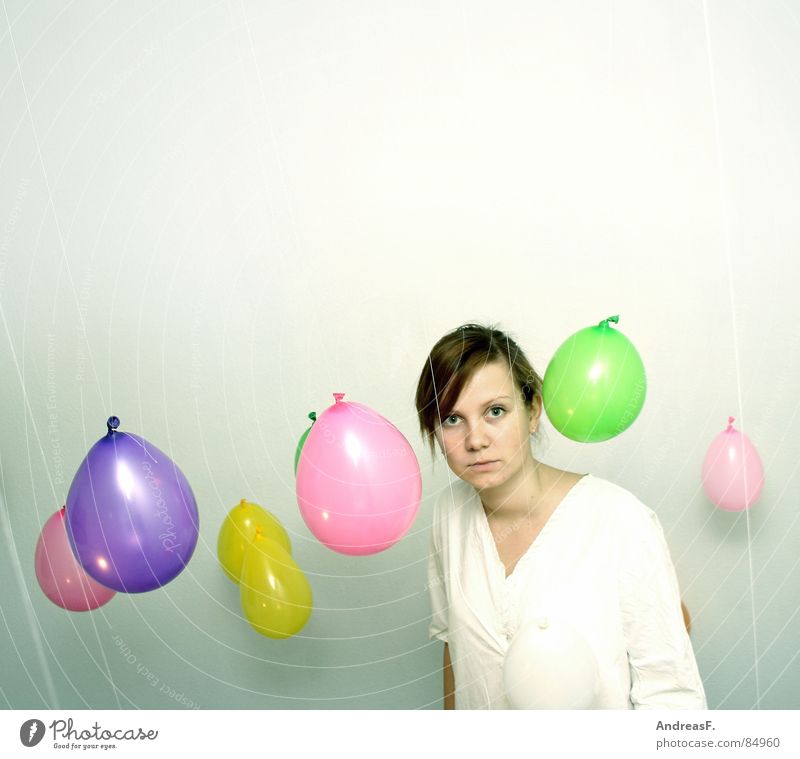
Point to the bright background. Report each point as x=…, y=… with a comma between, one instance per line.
x=215, y=214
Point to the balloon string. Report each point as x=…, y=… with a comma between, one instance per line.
x=724, y=203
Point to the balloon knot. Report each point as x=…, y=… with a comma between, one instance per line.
x=112, y=423
x=731, y=420
x=313, y=416
x=605, y=322
x=338, y=397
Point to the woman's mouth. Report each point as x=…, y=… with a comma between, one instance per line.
x=481, y=466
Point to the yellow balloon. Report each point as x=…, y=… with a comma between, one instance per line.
x=239, y=529
x=275, y=594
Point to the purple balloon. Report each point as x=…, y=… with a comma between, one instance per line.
x=132, y=518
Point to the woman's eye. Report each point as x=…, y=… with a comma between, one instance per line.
x=451, y=420
x=496, y=411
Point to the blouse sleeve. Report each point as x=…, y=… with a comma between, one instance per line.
x=663, y=669
x=436, y=586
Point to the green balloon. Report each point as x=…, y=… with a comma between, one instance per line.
x=595, y=384
x=313, y=417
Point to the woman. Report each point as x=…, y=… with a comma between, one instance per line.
x=518, y=542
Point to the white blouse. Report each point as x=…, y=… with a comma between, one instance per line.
x=600, y=564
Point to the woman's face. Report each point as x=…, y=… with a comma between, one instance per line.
x=485, y=436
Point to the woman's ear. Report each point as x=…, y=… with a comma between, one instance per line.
x=535, y=413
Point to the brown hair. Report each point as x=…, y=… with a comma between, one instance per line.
x=452, y=362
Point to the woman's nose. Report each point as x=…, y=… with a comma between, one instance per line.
x=477, y=438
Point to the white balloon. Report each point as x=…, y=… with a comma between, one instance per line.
x=549, y=665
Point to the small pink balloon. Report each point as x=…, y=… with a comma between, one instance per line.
x=358, y=480
x=733, y=474
x=60, y=576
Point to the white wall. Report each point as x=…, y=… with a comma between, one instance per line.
x=214, y=215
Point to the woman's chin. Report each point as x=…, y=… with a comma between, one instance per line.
x=484, y=480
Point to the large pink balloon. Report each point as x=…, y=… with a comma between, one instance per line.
x=60, y=576
x=733, y=474
x=358, y=481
